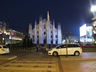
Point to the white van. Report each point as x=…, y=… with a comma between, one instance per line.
x=4, y=49
x=66, y=49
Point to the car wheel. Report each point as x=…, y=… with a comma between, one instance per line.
x=76, y=53
x=55, y=54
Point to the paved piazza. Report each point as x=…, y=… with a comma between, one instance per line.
x=31, y=64
x=45, y=63
x=79, y=66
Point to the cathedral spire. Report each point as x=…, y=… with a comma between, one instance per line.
x=48, y=16
x=35, y=22
x=40, y=18
x=53, y=22
x=30, y=31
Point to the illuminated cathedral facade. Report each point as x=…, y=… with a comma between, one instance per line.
x=45, y=32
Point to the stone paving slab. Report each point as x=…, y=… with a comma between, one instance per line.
x=79, y=66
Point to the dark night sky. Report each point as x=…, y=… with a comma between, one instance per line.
x=70, y=13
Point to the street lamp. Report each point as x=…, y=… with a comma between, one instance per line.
x=93, y=8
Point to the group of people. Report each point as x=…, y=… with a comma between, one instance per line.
x=37, y=47
x=42, y=48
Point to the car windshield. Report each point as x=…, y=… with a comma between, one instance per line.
x=61, y=46
x=0, y=47
x=73, y=45
x=5, y=47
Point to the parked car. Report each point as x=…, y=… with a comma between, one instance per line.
x=66, y=49
x=4, y=49
x=89, y=46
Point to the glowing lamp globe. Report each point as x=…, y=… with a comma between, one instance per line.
x=93, y=8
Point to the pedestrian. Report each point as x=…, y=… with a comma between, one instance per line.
x=37, y=46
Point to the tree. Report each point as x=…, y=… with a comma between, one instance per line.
x=67, y=33
x=27, y=42
x=67, y=40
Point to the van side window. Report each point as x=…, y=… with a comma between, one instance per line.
x=63, y=46
x=73, y=45
x=70, y=45
x=76, y=46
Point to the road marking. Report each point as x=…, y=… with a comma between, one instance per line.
x=8, y=58
x=36, y=61
x=12, y=58
x=30, y=66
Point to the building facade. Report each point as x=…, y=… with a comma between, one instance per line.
x=94, y=28
x=74, y=39
x=45, y=32
x=86, y=33
x=9, y=35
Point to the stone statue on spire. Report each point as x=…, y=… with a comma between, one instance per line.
x=48, y=16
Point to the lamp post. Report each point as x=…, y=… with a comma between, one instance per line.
x=93, y=10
